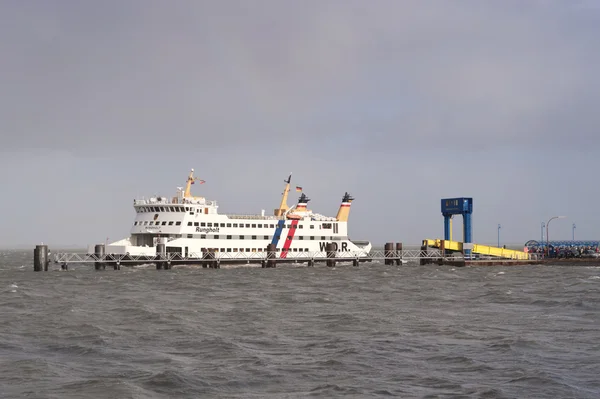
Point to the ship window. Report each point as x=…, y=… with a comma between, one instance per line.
x=190, y=235
x=247, y=249
x=209, y=224
x=203, y=236
x=145, y=223
x=300, y=238
x=260, y=226
x=300, y=226
x=266, y=237
x=253, y=225
x=235, y=225
x=260, y=249
x=322, y=237
x=228, y=249
x=241, y=237
x=172, y=209
x=164, y=223
x=312, y=226
x=187, y=208
x=189, y=223
x=254, y=237
x=203, y=224
x=222, y=249
x=135, y=223
x=177, y=223
x=170, y=223
x=312, y=237
x=234, y=249
x=195, y=224
x=222, y=224
x=247, y=224
x=216, y=236
x=229, y=237
x=294, y=249
x=151, y=223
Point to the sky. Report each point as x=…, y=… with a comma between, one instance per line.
x=400, y=103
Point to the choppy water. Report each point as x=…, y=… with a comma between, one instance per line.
x=406, y=331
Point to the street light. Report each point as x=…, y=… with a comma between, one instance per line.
x=574, y=231
x=548, y=238
x=543, y=226
x=499, y=227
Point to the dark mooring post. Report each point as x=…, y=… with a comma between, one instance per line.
x=398, y=253
x=216, y=263
x=271, y=255
x=40, y=258
x=99, y=255
x=161, y=254
x=388, y=255
x=330, y=249
x=424, y=255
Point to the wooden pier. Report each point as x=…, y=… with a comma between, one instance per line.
x=391, y=254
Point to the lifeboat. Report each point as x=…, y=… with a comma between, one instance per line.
x=294, y=216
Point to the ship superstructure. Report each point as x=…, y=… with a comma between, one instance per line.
x=190, y=226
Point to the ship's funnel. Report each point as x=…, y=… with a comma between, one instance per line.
x=344, y=211
x=302, y=201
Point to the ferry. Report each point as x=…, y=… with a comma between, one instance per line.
x=188, y=227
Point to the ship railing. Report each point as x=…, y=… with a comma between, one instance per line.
x=253, y=217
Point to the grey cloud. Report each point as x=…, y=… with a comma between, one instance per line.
x=131, y=75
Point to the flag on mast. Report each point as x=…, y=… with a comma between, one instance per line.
x=298, y=188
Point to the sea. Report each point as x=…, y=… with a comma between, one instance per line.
x=370, y=331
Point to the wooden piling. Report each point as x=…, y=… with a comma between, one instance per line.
x=99, y=253
x=388, y=254
x=271, y=255
x=398, y=253
x=330, y=249
x=40, y=258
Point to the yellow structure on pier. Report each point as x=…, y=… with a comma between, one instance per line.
x=477, y=249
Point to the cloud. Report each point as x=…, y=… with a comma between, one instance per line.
x=399, y=102
x=125, y=76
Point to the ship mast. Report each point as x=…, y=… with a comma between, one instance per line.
x=283, y=205
x=188, y=186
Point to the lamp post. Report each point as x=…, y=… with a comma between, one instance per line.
x=574, y=231
x=547, y=238
x=499, y=227
x=543, y=226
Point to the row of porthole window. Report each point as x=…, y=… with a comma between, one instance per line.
x=151, y=223
x=258, y=250
x=206, y=224
x=232, y=237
